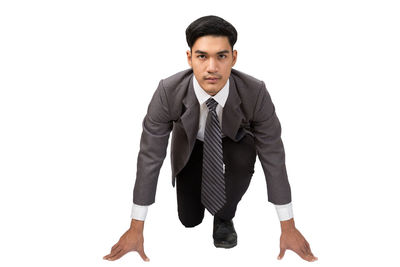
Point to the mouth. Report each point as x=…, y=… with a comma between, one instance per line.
x=212, y=79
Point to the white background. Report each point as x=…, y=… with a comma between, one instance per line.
x=76, y=78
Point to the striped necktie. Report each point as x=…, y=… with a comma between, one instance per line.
x=213, y=182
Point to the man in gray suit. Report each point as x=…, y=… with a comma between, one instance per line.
x=220, y=119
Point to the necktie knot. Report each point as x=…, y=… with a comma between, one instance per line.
x=211, y=104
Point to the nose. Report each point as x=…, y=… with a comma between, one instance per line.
x=212, y=65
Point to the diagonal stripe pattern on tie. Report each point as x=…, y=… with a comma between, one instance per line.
x=213, y=181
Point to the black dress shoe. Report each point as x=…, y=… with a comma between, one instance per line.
x=224, y=233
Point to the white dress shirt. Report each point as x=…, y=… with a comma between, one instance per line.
x=139, y=212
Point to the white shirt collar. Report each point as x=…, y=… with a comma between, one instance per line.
x=202, y=95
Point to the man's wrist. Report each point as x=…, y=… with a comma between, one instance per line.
x=287, y=225
x=137, y=225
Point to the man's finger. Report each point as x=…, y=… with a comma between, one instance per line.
x=118, y=255
x=307, y=246
x=114, y=253
x=143, y=255
x=311, y=257
x=306, y=256
x=308, y=250
x=281, y=253
x=302, y=255
x=304, y=250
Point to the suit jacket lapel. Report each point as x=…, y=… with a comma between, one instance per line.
x=190, y=117
x=232, y=116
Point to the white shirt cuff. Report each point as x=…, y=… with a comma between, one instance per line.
x=139, y=212
x=285, y=212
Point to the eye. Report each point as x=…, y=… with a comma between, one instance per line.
x=201, y=56
x=222, y=56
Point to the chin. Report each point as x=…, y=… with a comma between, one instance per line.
x=212, y=90
x=213, y=86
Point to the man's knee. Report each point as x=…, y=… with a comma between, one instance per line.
x=190, y=222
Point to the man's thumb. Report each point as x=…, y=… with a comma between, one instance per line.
x=143, y=255
x=281, y=253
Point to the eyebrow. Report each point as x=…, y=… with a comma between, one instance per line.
x=205, y=53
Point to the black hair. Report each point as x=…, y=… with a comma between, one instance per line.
x=210, y=25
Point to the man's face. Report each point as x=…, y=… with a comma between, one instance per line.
x=212, y=59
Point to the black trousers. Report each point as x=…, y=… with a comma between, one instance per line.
x=239, y=159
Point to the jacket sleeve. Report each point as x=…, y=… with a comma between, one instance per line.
x=270, y=150
x=157, y=126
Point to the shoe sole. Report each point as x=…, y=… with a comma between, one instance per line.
x=224, y=245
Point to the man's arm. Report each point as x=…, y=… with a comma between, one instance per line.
x=157, y=126
x=153, y=145
x=270, y=150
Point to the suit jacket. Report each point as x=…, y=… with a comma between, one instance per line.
x=174, y=107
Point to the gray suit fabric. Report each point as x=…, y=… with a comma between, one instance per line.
x=174, y=107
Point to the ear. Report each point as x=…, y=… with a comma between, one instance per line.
x=189, y=57
x=234, y=56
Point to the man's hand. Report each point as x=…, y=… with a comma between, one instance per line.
x=292, y=239
x=131, y=240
